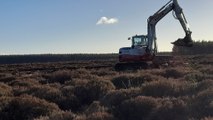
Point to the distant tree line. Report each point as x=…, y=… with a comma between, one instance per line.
x=14, y=59
x=199, y=47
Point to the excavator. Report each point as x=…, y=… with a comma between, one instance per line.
x=144, y=47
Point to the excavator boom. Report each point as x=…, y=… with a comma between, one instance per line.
x=174, y=6
x=187, y=40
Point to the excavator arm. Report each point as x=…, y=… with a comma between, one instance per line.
x=172, y=5
x=187, y=40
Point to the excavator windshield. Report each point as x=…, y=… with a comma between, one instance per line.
x=139, y=40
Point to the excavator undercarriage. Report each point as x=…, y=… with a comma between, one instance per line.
x=157, y=62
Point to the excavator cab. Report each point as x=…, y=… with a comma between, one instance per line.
x=139, y=41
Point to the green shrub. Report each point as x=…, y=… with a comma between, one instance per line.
x=25, y=108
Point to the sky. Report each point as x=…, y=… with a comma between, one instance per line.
x=93, y=26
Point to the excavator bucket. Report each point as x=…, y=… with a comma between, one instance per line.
x=186, y=41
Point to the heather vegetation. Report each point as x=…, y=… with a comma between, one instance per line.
x=10, y=59
x=199, y=47
x=93, y=90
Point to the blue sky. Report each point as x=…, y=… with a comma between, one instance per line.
x=70, y=26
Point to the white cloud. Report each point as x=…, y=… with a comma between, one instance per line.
x=105, y=20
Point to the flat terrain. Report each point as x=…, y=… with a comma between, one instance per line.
x=90, y=89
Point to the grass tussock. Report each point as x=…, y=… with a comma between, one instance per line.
x=60, y=76
x=170, y=109
x=166, y=88
x=116, y=97
x=146, y=108
x=125, y=81
x=5, y=90
x=26, y=107
x=138, y=108
x=93, y=90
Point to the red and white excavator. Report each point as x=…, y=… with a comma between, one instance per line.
x=144, y=47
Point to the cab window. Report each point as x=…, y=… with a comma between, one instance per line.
x=140, y=41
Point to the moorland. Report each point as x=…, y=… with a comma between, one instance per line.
x=93, y=90
x=87, y=87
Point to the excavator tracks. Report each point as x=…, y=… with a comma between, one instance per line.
x=158, y=61
x=131, y=66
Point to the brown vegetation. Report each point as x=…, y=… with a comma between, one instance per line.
x=93, y=90
x=199, y=47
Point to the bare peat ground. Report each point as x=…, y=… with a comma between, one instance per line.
x=93, y=90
